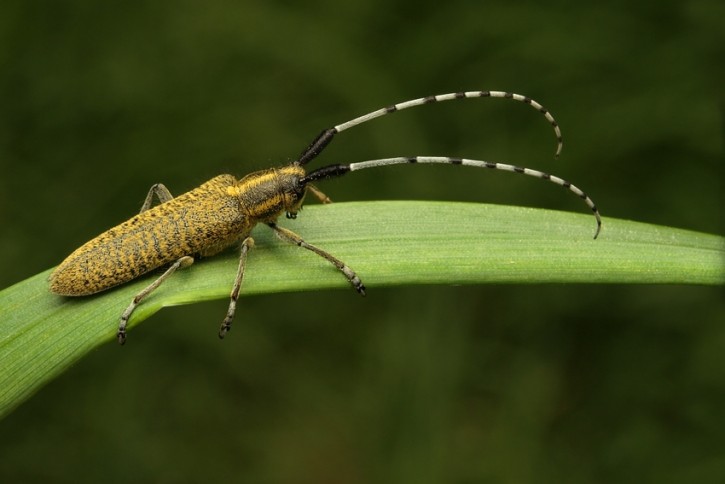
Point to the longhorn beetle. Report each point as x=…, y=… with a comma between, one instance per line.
x=223, y=211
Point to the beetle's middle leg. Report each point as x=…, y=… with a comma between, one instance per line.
x=185, y=261
x=247, y=244
x=289, y=236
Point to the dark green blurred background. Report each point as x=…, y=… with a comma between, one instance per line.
x=101, y=99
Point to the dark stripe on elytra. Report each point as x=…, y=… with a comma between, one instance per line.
x=157, y=246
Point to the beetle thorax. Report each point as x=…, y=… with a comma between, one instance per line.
x=265, y=194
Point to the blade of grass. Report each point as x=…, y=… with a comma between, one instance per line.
x=387, y=243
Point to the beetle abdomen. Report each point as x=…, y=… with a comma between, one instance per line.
x=187, y=225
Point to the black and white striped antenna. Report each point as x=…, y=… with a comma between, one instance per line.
x=337, y=170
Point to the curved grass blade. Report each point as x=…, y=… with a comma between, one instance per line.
x=387, y=243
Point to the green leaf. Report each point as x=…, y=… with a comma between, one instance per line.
x=387, y=243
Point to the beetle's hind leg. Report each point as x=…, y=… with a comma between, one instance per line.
x=162, y=194
x=185, y=261
x=293, y=238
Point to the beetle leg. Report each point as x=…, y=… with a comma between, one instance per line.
x=318, y=194
x=185, y=261
x=247, y=244
x=162, y=193
x=293, y=238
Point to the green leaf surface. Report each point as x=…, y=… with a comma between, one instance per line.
x=387, y=243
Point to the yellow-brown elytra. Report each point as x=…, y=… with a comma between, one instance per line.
x=223, y=211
